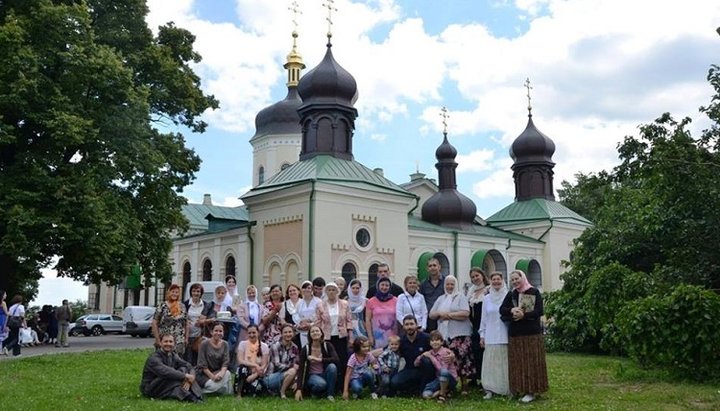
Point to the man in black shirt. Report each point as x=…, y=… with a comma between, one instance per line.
x=432, y=288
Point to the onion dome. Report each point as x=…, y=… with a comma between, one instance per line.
x=281, y=117
x=532, y=146
x=533, y=166
x=448, y=207
x=328, y=82
x=327, y=113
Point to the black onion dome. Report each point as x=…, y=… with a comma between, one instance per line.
x=328, y=82
x=448, y=207
x=532, y=146
x=281, y=117
x=445, y=151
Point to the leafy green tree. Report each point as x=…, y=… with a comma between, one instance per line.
x=88, y=169
x=655, y=219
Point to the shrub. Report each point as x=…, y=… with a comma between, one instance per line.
x=678, y=332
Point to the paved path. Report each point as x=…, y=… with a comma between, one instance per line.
x=82, y=344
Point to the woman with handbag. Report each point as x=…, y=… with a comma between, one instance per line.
x=16, y=320
x=198, y=312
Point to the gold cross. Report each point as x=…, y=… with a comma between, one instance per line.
x=444, y=114
x=295, y=9
x=528, y=87
x=330, y=5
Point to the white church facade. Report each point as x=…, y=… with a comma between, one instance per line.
x=314, y=210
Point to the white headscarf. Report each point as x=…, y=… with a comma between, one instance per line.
x=356, y=301
x=254, y=308
x=446, y=303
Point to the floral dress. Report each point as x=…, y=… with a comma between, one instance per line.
x=167, y=324
x=272, y=331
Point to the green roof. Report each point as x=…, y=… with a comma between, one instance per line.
x=197, y=214
x=537, y=209
x=325, y=168
x=480, y=230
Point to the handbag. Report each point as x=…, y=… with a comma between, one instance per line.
x=14, y=321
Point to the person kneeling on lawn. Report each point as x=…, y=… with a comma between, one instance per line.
x=284, y=356
x=166, y=375
x=444, y=361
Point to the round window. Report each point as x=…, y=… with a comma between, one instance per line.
x=362, y=236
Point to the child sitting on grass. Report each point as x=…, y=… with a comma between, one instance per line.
x=359, y=373
x=444, y=361
x=388, y=363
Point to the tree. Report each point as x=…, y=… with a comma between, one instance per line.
x=87, y=174
x=655, y=218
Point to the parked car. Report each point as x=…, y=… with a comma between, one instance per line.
x=137, y=320
x=99, y=324
x=74, y=329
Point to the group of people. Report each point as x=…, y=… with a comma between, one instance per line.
x=324, y=339
x=16, y=331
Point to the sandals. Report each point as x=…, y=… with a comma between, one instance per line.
x=441, y=399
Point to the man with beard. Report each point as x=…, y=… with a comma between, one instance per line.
x=166, y=375
x=413, y=378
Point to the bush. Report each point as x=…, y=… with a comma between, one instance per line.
x=678, y=332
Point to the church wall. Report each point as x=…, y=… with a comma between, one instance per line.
x=341, y=212
x=272, y=152
x=559, y=245
x=424, y=191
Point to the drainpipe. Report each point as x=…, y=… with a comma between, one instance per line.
x=455, y=253
x=417, y=203
x=311, y=231
x=252, y=251
x=546, y=231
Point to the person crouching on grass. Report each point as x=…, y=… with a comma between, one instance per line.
x=443, y=359
x=359, y=373
x=166, y=375
x=253, y=357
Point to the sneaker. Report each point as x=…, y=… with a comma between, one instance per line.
x=527, y=398
x=488, y=395
x=57, y=345
x=331, y=398
x=373, y=396
x=66, y=345
x=354, y=396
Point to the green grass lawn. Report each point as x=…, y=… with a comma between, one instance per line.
x=109, y=380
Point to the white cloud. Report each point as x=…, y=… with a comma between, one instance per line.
x=53, y=289
x=478, y=160
x=498, y=184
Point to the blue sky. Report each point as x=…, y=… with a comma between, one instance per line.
x=599, y=68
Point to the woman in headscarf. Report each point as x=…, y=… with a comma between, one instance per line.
x=171, y=318
x=356, y=303
x=288, y=312
x=452, y=312
x=522, y=308
x=475, y=295
x=494, y=339
x=251, y=312
x=380, y=319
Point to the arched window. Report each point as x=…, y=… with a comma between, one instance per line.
x=444, y=263
x=372, y=275
x=230, y=266
x=261, y=175
x=207, y=270
x=349, y=272
x=186, y=276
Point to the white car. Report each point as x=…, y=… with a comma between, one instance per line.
x=99, y=324
x=137, y=320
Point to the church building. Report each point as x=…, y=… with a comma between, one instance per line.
x=316, y=210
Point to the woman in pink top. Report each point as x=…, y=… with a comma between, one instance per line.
x=380, y=315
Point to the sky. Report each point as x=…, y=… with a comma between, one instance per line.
x=598, y=69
